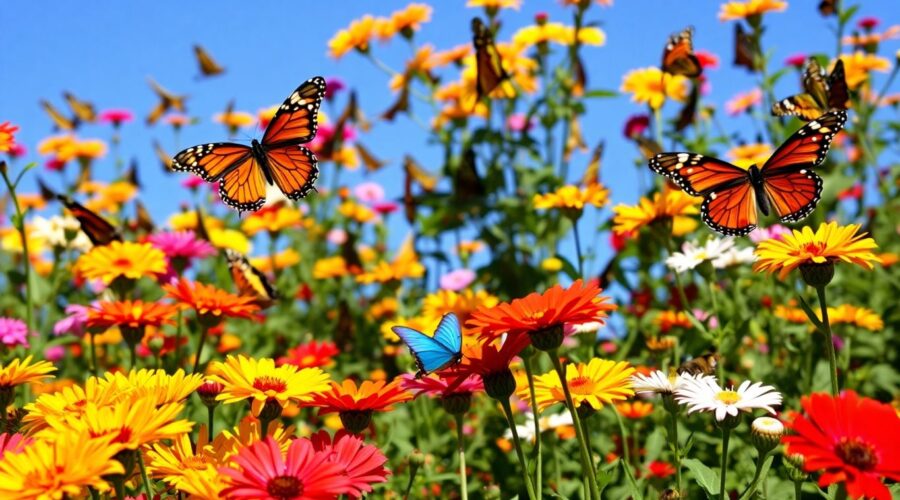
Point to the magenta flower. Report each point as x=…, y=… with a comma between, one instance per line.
x=636, y=125
x=333, y=85
x=436, y=386
x=74, y=323
x=326, y=133
x=13, y=332
x=17, y=150
x=457, y=280
x=55, y=164
x=775, y=231
x=519, y=122
x=385, y=207
x=182, y=245
x=369, y=192
x=192, y=182
x=796, y=60
x=115, y=116
x=54, y=353
x=12, y=443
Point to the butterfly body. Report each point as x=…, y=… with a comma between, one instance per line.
x=678, y=56
x=434, y=353
x=785, y=184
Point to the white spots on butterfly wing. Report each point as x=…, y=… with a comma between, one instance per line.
x=683, y=157
x=712, y=196
x=815, y=125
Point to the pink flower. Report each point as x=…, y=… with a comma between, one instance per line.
x=519, y=122
x=796, y=60
x=385, y=207
x=636, y=125
x=702, y=315
x=13, y=332
x=369, y=192
x=608, y=347
x=54, y=353
x=336, y=236
x=743, y=101
x=74, y=323
x=333, y=85
x=115, y=116
x=707, y=59
x=775, y=231
x=435, y=385
x=182, y=245
x=326, y=133
x=12, y=443
x=17, y=150
x=192, y=182
x=362, y=463
x=868, y=23
x=457, y=280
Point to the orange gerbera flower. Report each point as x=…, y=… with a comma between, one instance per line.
x=634, y=409
x=121, y=259
x=130, y=314
x=7, y=137
x=542, y=316
x=212, y=304
x=666, y=320
x=410, y=19
x=355, y=405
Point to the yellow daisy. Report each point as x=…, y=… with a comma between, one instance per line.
x=596, y=383
x=652, y=86
x=121, y=259
x=572, y=199
x=829, y=244
x=859, y=64
x=672, y=205
x=744, y=10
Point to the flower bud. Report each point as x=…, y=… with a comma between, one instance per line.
x=208, y=391
x=817, y=275
x=793, y=464
x=416, y=458
x=500, y=385
x=765, y=433
x=457, y=403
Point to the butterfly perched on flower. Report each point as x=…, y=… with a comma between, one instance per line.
x=785, y=183
x=97, y=229
x=819, y=94
x=278, y=159
x=208, y=65
x=678, y=56
x=250, y=281
x=489, y=65
x=436, y=352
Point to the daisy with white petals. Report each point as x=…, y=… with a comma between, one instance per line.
x=704, y=394
x=692, y=254
x=660, y=383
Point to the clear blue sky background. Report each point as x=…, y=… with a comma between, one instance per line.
x=104, y=51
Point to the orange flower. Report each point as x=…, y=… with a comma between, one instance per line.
x=666, y=320
x=356, y=36
x=121, y=259
x=273, y=219
x=540, y=315
x=355, y=405
x=311, y=355
x=410, y=19
x=211, y=303
x=130, y=314
x=450, y=56
x=634, y=409
x=7, y=139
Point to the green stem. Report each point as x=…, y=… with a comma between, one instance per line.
x=529, y=487
x=203, y=333
x=676, y=448
x=211, y=411
x=464, y=493
x=798, y=490
x=829, y=341
x=578, y=247
x=757, y=476
x=26, y=264
x=626, y=453
x=586, y=464
x=178, y=334
x=658, y=125
x=538, y=469
x=94, y=367
x=148, y=490
x=726, y=435
x=413, y=469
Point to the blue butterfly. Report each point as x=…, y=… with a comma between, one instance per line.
x=437, y=352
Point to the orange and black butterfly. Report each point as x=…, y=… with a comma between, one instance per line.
x=208, y=65
x=678, y=56
x=591, y=175
x=83, y=111
x=164, y=158
x=744, y=51
x=167, y=101
x=820, y=94
x=785, y=183
x=488, y=63
x=250, y=281
x=60, y=121
x=97, y=229
x=278, y=159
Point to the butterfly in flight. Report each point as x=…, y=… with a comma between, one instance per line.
x=208, y=65
x=250, y=281
x=278, y=159
x=97, y=229
x=437, y=352
x=678, y=56
x=820, y=94
x=732, y=194
x=488, y=63
x=167, y=101
x=744, y=51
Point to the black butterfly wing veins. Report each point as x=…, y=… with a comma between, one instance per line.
x=97, y=229
x=820, y=93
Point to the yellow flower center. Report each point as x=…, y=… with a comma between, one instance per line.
x=583, y=386
x=728, y=397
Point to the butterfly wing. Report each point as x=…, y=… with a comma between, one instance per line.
x=810, y=104
x=688, y=114
x=164, y=158
x=243, y=188
x=488, y=63
x=97, y=229
x=838, y=95
x=295, y=122
x=59, y=121
x=449, y=333
x=371, y=162
x=208, y=65
x=242, y=185
x=426, y=179
x=743, y=49
x=293, y=169
x=250, y=281
x=82, y=110
x=678, y=56
x=431, y=355
x=731, y=211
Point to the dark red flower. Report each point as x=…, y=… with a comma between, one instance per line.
x=796, y=60
x=868, y=23
x=636, y=125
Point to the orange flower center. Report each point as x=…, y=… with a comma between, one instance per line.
x=857, y=453
x=123, y=437
x=284, y=487
x=269, y=385
x=122, y=263
x=728, y=397
x=583, y=386
x=814, y=248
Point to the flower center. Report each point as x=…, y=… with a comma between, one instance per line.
x=582, y=386
x=123, y=437
x=284, y=487
x=814, y=248
x=122, y=263
x=269, y=385
x=728, y=397
x=857, y=453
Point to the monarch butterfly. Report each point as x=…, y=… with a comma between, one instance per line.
x=243, y=171
x=250, y=281
x=819, y=94
x=97, y=229
x=83, y=110
x=591, y=175
x=678, y=56
x=371, y=162
x=488, y=63
x=438, y=351
x=167, y=102
x=705, y=364
x=208, y=65
x=164, y=158
x=743, y=49
x=60, y=121
x=785, y=182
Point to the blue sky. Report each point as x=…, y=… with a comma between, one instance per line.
x=104, y=52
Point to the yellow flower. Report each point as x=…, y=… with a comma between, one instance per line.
x=749, y=154
x=410, y=19
x=60, y=469
x=405, y=265
x=495, y=4
x=384, y=308
x=111, y=197
x=573, y=198
x=672, y=205
x=748, y=8
x=19, y=372
x=68, y=402
x=273, y=219
x=558, y=33
x=187, y=221
x=858, y=65
x=552, y=264
x=234, y=119
x=463, y=303
x=356, y=211
x=230, y=441
x=121, y=259
x=450, y=56
x=652, y=86
x=156, y=385
x=422, y=323
x=69, y=147
x=596, y=383
x=330, y=267
x=286, y=258
x=171, y=462
x=356, y=36
x=11, y=240
x=469, y=247
x=260, y=381
x=859, y=316
x=830, y=243
x=206, y=484
x=231, y=239
x=420, y=63
x=791, y=314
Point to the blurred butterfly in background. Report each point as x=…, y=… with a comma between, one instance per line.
x=167, y=102
x=60, y=121
x=688, y=114
x=250, y=281
x=142, y=219
x=743, y=49
x=467, y=182
x=827, y=8
x=278, y=159
x=437, y=352
x=678, y=56
x=208, y=65
x=372, y=163
x=705, y=364
x=83, y=111
x=97, y=229
x=820, y=94
x=732, y=194
x=164, y=158
x=488, y=63
x=591, y=175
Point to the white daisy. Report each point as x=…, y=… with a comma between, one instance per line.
x=692, y=255
x=57, y=229
x=704, y=394
x=526, y=430
x=660, y=383
x=733, y=257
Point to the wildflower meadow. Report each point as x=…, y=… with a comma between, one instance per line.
x=491, y=267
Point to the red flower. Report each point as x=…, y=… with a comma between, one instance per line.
x=438, y=384
x=854, y=192
x=310, y=355
x=848, y=439
x=659, y=469
x=796, y=60
x=636, y=125
x=362, y=463
x=868, y=23
x=707, y=59
x=263, y=472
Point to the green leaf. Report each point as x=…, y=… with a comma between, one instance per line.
x=632, y=484
x=848, y=13
x=707, y=478
x=810, y=314
x=600, y=93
